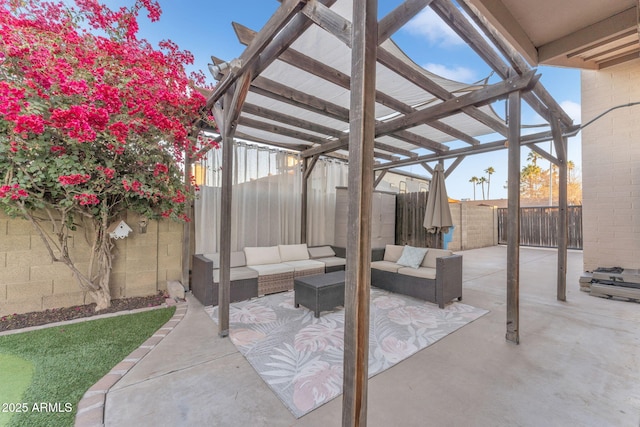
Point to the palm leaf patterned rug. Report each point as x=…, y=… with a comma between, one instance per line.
x=301, y=357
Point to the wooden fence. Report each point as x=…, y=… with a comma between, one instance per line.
x=539, y=226
x=410, y=211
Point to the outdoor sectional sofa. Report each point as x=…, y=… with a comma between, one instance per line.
x=437, y=279
x=257, y=271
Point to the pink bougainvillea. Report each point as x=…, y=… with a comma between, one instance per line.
x=73, y=179
x=93, y=120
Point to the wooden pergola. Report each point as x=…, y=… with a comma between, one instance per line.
x=381, y=111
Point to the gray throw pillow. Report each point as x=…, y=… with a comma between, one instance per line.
x=412, y=257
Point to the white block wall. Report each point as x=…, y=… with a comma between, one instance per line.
x=611, y=167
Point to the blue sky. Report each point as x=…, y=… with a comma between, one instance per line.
x=204, y=28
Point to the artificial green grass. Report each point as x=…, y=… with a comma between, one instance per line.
x=69, y=359
x=16, y=377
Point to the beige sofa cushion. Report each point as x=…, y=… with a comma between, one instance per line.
x=263, y=255
x=393, y=252
x=237, y=273
x=321, y=252
x=237, y=259
x=293, y=252
x=385, y=265
x=305, y=264
x=432, y=254
x=422, y=272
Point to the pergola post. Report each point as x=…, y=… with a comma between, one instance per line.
x=358, y=273
x=233, y=100
x=513, y=220
x=186, y=227
x=225, y=222
x=307, y=167
x=563, y=238
x=304, y=201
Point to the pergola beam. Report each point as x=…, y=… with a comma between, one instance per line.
x=379, y=177
x=453, y=166
x=399, y=16
x=446, y=108
x=539, y=99
x=287, y=10
x=340, y=28
x=319, y=69
x=544, y=154
x=483, y=148
x=426, y=167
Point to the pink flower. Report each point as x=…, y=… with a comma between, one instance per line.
x=31, y=123
x=14, y=192
x=108, y=172
x=74, y=179
x=87, y=199
x=179, y=197
x=58, y=149
x=160, y=168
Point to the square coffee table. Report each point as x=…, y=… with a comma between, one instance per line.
x=321, y=292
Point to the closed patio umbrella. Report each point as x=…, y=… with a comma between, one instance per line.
x=437, y=218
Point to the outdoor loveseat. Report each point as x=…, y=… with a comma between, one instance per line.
x=257, y=271
x=436, y=277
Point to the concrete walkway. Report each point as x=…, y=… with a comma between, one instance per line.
x=578, y=364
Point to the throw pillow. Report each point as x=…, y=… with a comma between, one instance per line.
x=412, y=257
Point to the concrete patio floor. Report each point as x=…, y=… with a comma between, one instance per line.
x=578, y=364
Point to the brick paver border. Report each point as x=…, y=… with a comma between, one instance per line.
x=90, y=411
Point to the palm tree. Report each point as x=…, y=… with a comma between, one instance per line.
x=533, y=157
x=474, y=181
x=481, y=181
x=489, y=171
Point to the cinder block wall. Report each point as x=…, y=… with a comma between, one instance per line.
x=30, y=281
x=611, y=167
x=475, y=226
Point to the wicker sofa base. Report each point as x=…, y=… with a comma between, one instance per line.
x=272, y=283
x=310, y=272
x=445, y=287
x=334, y=268
x=240, y=290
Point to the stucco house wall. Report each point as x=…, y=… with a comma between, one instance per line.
x=611, y=167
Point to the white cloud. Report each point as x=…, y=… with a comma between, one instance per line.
x=459, y=74
x=573, y=109
x=437, y=32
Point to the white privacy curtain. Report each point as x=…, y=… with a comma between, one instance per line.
x=326, y=176
x=266, y=200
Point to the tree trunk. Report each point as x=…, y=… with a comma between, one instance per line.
x=95, y=281
x=101, y=292
x=102, y=297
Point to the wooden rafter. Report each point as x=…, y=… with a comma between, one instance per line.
x=539, y=99
x=274, y=25
x=341, y=28
x=319, y=69
x=485, y=147
x=446, y=108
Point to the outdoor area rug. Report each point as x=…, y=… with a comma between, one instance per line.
x=301, y=357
